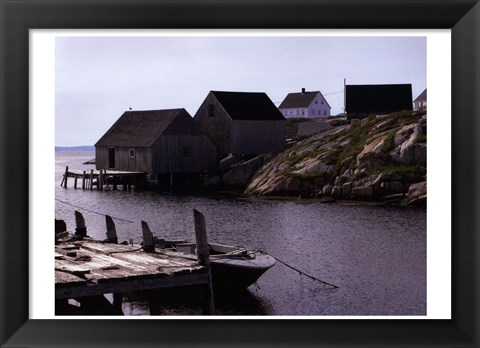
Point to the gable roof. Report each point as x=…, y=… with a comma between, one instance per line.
x=422, y=96
x=378, y=98
x=141, y=128
x=253, y=106
x=299, y=100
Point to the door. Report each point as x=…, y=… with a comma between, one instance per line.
x=111, y=157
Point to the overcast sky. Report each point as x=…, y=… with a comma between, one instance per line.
x=98, y=78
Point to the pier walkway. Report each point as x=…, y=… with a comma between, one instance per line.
x=87, y=269
x=103, y=179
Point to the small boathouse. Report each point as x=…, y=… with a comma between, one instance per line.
x=155, y=142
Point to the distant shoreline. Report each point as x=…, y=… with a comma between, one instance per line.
x=74, y=148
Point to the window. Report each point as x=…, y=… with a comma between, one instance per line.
x=211, y=110
x=303, y=112
x=131, y=152
x=187, y=151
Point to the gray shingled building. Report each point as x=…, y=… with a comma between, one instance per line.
x=155, y=141
x=241, y=123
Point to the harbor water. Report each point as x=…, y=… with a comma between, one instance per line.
x=376, y=255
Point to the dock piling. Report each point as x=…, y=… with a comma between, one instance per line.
x=111, y=230
x=91, y=179
x=65, y=177
x=148, y=245
x=204, y=260
x=81, y=229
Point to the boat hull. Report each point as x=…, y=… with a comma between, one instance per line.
x=225, y=276
x=231, y=267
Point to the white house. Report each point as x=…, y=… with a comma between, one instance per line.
x=420, y=103
x=305, y=104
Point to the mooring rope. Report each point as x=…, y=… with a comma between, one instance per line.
x=299, y=271
x=91, y=211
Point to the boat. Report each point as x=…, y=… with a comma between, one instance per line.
x=232, y=267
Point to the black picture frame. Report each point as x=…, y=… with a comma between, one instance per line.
x=18, y=16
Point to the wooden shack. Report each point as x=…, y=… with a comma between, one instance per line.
x=155, y=141
x=242, y=123
x=364, y=100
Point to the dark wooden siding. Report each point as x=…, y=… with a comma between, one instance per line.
x=254, y=137
x=101, y=157
x=183, y=154
x=214, y=121
x=362, y=100
x=141, y=162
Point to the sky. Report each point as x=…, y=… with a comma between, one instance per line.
x=98, y=78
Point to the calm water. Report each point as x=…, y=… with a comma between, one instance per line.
x=376, y=255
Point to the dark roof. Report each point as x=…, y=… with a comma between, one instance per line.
x=422, y=96
x=142, y=128
x=378, y=98
x=299, y=100
x=248, y=106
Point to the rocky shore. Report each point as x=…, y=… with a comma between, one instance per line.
x=379, y=158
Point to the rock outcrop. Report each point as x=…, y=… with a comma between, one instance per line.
x=375, y=158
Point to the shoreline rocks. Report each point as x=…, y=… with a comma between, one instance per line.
x=379, y=158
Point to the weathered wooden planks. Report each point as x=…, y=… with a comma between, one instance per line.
x=63, y=279
x=88, y=268
x=91, y=263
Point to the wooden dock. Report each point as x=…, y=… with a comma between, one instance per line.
x=103, y=179
x=87, y=269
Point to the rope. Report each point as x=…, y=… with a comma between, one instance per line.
x=91, y=211
x=300, y=272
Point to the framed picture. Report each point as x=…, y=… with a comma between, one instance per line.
x=19, y=18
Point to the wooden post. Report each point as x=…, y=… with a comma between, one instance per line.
x=81, y=229
x=148, y=245
x=204, y=260
x=100, y=181
x=65, y=177
x=111, y=230
x=60, y=229
x=117, y=302
x=154, y=302
x=75, y=182
x=83, y=181
x=171, y=181
x=91, y=179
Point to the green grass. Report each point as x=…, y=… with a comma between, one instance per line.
x=312, y=175
x=421, y=138
x=404, y=173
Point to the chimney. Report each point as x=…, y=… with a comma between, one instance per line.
x=303, y=90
